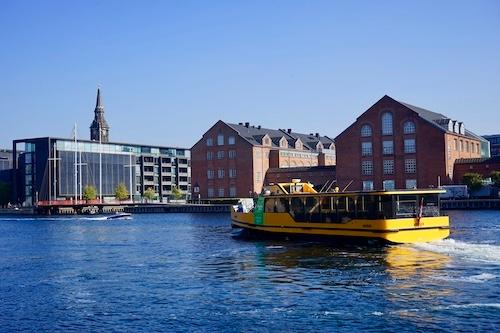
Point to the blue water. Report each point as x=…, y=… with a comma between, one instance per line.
x=183, y=272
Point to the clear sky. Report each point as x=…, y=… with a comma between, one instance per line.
x=170, y=69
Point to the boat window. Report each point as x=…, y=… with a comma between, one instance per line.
x=297, y=209
x=312, y=209
x=270, y=205
x=429, y=204
x=282, y=205
x=406, y=205
x=328, y=213
x=385, y=206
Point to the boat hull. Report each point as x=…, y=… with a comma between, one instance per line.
x=396, y=231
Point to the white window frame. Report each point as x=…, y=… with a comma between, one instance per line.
x=367, y=168
x=409, y=127
x=366, y=131
x=388, y=147
x=388, y=167
x=366, y=148
x=367, y=185
x=387, y=123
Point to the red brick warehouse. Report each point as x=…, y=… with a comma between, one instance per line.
x=398, y=145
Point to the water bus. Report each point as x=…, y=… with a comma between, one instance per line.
x=297, y=209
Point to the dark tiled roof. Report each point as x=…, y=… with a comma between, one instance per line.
x=254, y=135
x=436, y=119
x=482, y=160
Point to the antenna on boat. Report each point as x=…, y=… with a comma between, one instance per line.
x=345, y=188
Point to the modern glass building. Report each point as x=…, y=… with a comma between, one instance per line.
x=50, y=169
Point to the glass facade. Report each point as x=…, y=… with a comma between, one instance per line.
x=137, y=167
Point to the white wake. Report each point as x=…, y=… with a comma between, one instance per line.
x=470, y=251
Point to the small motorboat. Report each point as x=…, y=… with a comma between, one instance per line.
x=120, y=216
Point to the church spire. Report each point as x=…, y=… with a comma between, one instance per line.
x=99, y=129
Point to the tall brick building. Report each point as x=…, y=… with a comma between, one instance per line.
x=231, y=160
x=398, y=145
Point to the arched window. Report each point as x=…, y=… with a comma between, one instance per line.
x=408, y=127
x=386, y=123
x=366, y=130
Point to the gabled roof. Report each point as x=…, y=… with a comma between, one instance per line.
x=436, y=119
x=254, y=135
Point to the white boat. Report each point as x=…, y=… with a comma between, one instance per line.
x=120, y=216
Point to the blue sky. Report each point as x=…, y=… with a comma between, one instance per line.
x=170, y=69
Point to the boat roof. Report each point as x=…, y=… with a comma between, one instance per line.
x=308, y=190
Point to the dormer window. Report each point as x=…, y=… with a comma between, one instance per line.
x=283, y=143
x=298, y=144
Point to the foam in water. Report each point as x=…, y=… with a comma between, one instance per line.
x=480, y=278
x=471, y=251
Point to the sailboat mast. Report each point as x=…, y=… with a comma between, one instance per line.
x=76, y=166
x=100, y=165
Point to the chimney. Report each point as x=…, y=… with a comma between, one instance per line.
x=289, y=130
x=317, y=135
x=240, y=123
x=258, y=127
x=247, y=125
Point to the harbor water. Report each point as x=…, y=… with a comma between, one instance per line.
x=185, y=273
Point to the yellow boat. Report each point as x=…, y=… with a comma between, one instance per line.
x=297, y=209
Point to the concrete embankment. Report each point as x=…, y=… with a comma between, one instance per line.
x=470, y=204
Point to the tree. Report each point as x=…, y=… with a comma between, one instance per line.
x=495, y=177
x=89, y=192
x=149, y=194
x=473, y=180
x=5, y=192
x=177, y=193
x=121, y=192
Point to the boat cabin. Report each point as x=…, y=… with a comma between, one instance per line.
x=345, y=206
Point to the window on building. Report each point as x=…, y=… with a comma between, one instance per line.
x=456, y=144
x=210, y=142
x=467, y=146
x=210, y=155
x=232, y=154
x=210, y=192
x=409, y=127
x=386, y=123
x=388, y=147
x=410, y=146
x=232, y=191
x=477, y=148
x=411, y=183
x=461, y=145
x=221, y=192
x=257, y=176
x=220, y=140
x=220, y=154
x=366, y=130
x=366, y=149
x=368, y=185
x=210, y=174
x=231, y=140
x=220, y=173
x=367, y=168
x=388, y=185
x=388, y=167
x=232, y=173
x=410, y=165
